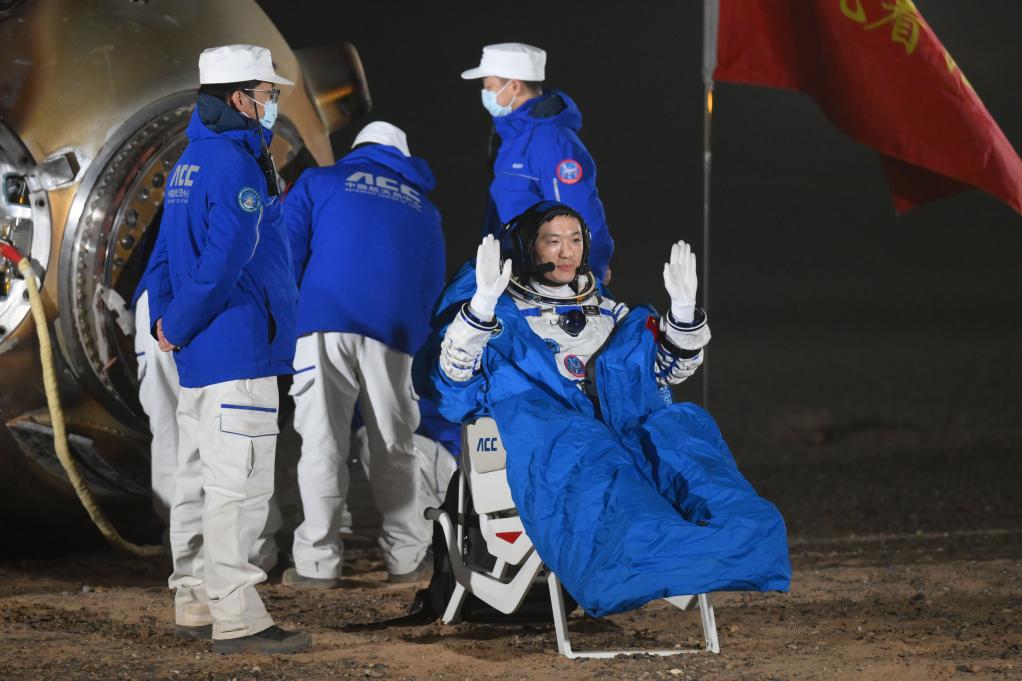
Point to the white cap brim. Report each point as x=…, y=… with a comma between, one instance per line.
x=477, y=72
x=278, y=80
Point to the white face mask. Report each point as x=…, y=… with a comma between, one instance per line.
x=490, y=102
x=269, y=116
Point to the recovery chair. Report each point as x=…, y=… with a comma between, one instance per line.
x=484, y=497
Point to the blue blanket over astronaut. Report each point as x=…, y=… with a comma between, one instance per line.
x=626, y=498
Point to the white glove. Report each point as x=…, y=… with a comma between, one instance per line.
x=491, y=278
x=680, y=282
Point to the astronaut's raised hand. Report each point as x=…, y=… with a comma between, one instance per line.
x=491, y=278
x=681, y=282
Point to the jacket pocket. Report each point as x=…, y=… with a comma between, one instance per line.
x=282, y=311
x=271, y=322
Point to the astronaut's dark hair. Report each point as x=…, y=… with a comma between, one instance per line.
x=223, y=91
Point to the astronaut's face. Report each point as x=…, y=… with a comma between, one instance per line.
x=560, y=241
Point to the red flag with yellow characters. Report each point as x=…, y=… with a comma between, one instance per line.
x=877, y=70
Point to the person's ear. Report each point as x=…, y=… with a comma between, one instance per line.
x=237, y=100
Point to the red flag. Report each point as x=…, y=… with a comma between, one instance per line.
x=877, y=70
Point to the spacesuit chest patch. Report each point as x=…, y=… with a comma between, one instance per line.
x=575, y=366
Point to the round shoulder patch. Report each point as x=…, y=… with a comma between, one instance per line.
x=249, y=200
x=569, y=171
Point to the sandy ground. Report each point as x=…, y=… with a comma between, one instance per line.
x=932, y=591
x=901, y=490
x=878, y=607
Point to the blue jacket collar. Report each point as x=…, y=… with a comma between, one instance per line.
x=213, y=118
x=412, y=168
x=553, y=107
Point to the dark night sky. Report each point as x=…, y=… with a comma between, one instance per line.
x=808, y=256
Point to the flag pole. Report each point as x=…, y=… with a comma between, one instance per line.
x=711, y=20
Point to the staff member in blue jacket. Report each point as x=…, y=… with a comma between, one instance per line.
x=368, y=252
x=230, y=317
x=158, y=390
x=539, y=155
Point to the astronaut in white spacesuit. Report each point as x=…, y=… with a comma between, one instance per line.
x=546, y=273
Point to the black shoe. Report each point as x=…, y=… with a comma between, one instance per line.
x=204, y=632
x=272, y=641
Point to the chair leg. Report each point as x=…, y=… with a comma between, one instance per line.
x=560, y=617
x=564, y=644
x=709, y=624
x=452, y=614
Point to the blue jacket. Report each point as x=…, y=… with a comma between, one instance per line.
x=627, y=499
x=232, y=301
x=368, y=247
x=154, y=278
x=436, y=427
x=542, y=158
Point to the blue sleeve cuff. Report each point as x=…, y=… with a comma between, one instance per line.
x=475, y=322
x=698, y=321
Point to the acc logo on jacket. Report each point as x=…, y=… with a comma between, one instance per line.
x=569, y=171
x=249, y=200
x=384, y=187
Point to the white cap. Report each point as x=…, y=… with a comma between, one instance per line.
x=381, y=132
x=516, y=61
x=237, y=64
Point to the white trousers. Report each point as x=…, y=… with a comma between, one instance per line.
x=436, y=468
x=333, y=372
x=158, y=391
x=224, y=481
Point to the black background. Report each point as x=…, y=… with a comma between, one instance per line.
x=824, y=306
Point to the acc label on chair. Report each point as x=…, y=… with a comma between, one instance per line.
x=487, y=444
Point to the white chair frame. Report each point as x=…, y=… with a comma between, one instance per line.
x=483, y=473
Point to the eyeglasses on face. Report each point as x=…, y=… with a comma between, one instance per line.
x=274, y=93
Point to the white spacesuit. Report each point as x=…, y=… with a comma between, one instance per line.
x=547, y=276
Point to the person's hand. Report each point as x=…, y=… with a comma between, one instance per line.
x=491, y=278
x=165, y=345
x=681, y=282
